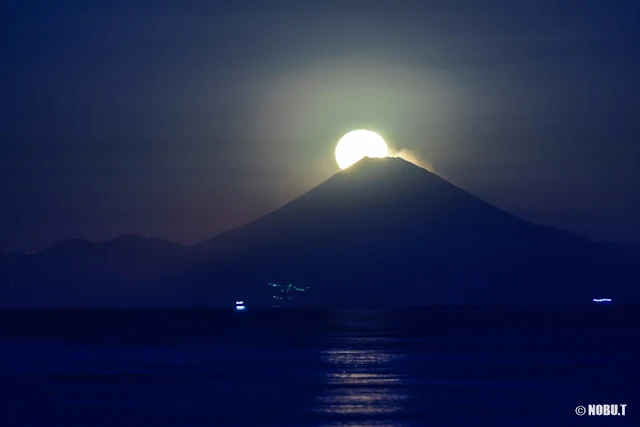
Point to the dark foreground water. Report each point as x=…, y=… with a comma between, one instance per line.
x=297, y=367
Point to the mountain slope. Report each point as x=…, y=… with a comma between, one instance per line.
x=386, y=230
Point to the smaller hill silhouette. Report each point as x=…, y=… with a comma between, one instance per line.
x=129, y=270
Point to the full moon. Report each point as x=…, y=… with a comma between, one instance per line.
x=358, y=144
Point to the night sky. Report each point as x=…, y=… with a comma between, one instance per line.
x=183, y=119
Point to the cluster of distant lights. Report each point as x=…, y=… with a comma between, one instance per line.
x=602, y=300
x=285, y=289
x=288, y=287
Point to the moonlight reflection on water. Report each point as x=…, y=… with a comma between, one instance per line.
x=363, y=379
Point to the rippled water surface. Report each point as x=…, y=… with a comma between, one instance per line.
x=296, y=367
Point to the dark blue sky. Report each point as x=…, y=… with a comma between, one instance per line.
x=183, y=119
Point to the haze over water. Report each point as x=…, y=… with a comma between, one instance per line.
x=325, y=367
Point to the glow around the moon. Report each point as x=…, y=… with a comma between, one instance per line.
x=358, y=144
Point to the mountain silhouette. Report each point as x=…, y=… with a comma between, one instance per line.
x=128, y=270
x=388, y=231
x=381, y=232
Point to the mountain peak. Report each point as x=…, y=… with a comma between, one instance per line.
x=384, y=165
x=379, y=161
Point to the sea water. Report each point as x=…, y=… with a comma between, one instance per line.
x=318, y=367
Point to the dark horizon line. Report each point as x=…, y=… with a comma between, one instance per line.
x=231, y=307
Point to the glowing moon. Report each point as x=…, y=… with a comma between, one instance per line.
x=358, y=144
